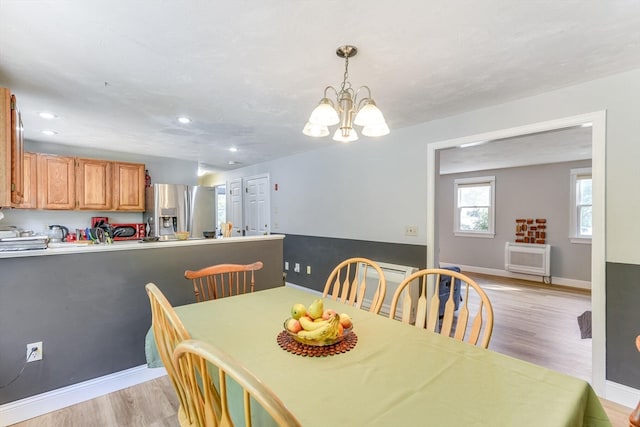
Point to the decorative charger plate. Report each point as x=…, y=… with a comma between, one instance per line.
x=286, y=341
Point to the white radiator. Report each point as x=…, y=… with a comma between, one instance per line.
x=528, y=258
x=394, y=274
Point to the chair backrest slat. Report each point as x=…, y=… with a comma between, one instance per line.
x=168, y=332
x=440, y=312
x=348, y=281
x=222, y=280
x=197, y=362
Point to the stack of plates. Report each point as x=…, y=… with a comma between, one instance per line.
x=23, y=243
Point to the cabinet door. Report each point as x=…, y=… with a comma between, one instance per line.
x=5, y=147
x=94, y=180
x=17, y=154
x=129, y=187
x=56, y=182
x=30, y=181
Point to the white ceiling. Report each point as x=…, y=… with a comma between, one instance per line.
x=561, y=145
x=118, y=73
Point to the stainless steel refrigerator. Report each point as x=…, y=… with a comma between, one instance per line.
x=176, y=207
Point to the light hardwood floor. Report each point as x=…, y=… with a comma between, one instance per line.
x=533, y=322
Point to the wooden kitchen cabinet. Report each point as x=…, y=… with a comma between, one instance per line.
x=11, y=150
x=94, y=179
x=129, y=186
x=77, y=183
x=56, y=182
x=29, y=200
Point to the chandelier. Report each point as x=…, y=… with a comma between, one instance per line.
x=348, y=110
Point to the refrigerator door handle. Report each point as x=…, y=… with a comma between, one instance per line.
x=187, y=203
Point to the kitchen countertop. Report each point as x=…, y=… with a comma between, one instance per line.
x=75, y=248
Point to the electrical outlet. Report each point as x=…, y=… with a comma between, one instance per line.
x=296, y=268
x=410, y=230
x=32, y=355
x=286, y=265
x=308, y=269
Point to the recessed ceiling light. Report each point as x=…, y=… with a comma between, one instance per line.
x=472, y=144
x=49, y=132
x=184, y=120
x=232, y=162
x=47, y=115
x=233, y=149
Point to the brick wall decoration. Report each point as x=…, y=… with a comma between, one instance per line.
x=529, y=230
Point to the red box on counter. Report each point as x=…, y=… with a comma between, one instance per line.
x=133, y=231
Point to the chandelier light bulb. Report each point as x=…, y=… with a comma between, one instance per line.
x=324, y=114
x=351, y=135
x=369, y=115
x=379, y=129
x=315, y=130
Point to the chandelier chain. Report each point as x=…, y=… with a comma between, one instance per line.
x=345, y=84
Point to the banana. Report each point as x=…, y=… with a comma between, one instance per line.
x=309, y=325
x=329, y=331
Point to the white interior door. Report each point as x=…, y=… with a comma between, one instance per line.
x=234, y=213
x=257, y=205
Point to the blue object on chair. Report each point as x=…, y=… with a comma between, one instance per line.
x=444, y=289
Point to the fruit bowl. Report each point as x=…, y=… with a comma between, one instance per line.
x=182, y=235
x=317, y=343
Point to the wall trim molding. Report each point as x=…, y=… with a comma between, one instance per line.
x=622, y=394
x=559, y=281
x=33, y=406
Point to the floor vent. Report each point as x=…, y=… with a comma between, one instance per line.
x=528, y=258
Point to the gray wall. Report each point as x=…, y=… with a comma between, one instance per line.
x=541, y=191
x=91, y=310
x=623, y=323
x=324, y=253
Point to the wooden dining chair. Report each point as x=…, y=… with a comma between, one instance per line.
x=474, y=308
x=223, y=280
x=347, y=283
x=168, y=332
x=634, y=418
x=206, y=373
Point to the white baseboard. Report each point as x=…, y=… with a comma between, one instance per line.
x=559, y=281
x=33, y=406
x=621, y=394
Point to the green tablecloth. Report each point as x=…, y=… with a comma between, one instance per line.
x=396, y=375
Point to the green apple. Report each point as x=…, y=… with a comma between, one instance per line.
x=316, y=309
x=298, y=310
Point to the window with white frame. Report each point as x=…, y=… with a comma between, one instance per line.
x=474, y=210
x=581, y=206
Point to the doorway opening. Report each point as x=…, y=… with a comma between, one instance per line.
x=598, y=121
x=221, y=203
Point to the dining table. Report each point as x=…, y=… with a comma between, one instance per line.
x=391, y=374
